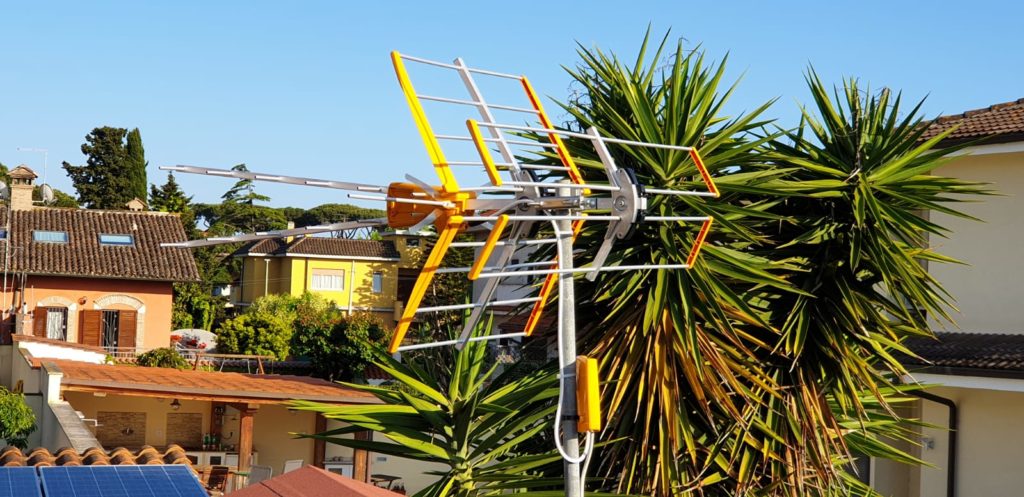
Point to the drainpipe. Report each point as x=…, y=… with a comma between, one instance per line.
x=266, y=277
x=952, y=427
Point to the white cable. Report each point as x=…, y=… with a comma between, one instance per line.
x=561, y=377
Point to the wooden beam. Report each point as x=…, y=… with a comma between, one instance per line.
x=245, y=434
x=361, y=459
x=319, y=446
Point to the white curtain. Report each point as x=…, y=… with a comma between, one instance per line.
x=55, y=324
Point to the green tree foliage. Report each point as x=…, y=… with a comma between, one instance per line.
x=458, y=414
x=169, y=197
x=17, y=420
x=266, y=328
x=109, y=178
x=239, y=211
x=136, y=164
x=337, y=213
x=743, y=375
x=164, y=357
x=338, y=346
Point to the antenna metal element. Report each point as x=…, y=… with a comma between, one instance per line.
x=525, y=203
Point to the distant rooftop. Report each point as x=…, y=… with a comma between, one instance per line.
x=971, y=354
x=11, y=456
x=1002, y=123
x=321, y=246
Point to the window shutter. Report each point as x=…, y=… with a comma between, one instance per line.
x=90, y=329
x=127, y=322
x=39, y=322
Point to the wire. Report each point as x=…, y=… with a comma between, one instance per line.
x=588, y=447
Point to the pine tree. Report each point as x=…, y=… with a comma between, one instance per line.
x=171, y=198
x=104, y=182
x=136, y=164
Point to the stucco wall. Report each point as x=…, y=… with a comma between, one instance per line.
x=988, y=290
x=152, y=299
x=272, y=425
x=991, y=444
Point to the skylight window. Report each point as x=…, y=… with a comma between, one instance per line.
x=50, y=236
x=115, y=239
x=3, y=234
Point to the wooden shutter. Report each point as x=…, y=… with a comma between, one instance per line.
x=39, y=322
x=90, y=328
x=127, y=323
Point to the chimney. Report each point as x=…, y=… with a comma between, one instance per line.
x=22, y=179
x=291, y=226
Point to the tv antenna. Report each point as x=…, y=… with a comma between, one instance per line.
x=523, y=205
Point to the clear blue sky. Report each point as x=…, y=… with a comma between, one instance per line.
x=307, y=88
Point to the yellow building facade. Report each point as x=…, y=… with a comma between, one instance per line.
x=357, y=275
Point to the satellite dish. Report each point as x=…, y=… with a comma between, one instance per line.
x=47, y=192
x=5, y=192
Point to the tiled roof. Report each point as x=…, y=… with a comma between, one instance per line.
x=173, y=454
x=968, y=351
x=1002, y=122
x=207, y=385
x=84, y=256
x=310, y=481
x=317, y=245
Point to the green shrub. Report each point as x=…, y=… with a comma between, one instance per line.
x=337, y=346
x=165, y=357
x=17, y=421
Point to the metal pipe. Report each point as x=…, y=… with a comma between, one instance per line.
x=953, y=427
x=460, y=307
x=567, y=357
x=544, y=272
x=457, y=341
x=585, y=136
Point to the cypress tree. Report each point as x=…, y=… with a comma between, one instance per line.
x=135, y=165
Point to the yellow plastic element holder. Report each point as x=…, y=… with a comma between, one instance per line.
x=701, y=235
x=485, y=154
x=563, y=153
x=697, y=161
x=488, y=248
x=444, y=240
x=448, y=183
x=547, y=287
x=588, y=395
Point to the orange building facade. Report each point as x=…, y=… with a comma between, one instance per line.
x=93, y=277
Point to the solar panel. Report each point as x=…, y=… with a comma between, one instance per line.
x=19, y=482
x=121, y=481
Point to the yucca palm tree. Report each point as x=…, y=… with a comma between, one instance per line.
x=460, y=414
x=742, y=375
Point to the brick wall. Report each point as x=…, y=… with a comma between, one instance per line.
x=185, y=429
x=121, y=429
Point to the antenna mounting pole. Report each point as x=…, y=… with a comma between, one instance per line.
x=567, y=356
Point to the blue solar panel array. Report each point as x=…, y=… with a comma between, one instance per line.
x=101, y=481
x=19, y=482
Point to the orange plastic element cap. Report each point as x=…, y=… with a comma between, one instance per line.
x=448, y=182
x=485, y=154
x=545, y=289
x=563, y=153
x=488, y=248
x=704, y=174
x=697, y=244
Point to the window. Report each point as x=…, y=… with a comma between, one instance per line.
x=111, y=239
x=378, y=282
x=50, y=236
x=412, y=242
x=327, y=279
x=3, y=234
x=57, y=323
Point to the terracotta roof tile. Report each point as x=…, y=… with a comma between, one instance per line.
x=310, y=481
x=12, y=456
x=317, y=245
x=1001, y=122
x=979, y=351
x=202, y=384
x=84, y=256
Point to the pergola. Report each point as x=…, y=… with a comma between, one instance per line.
x=244, y=392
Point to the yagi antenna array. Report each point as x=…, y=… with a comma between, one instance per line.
x=516, y=207
x=519, y=199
